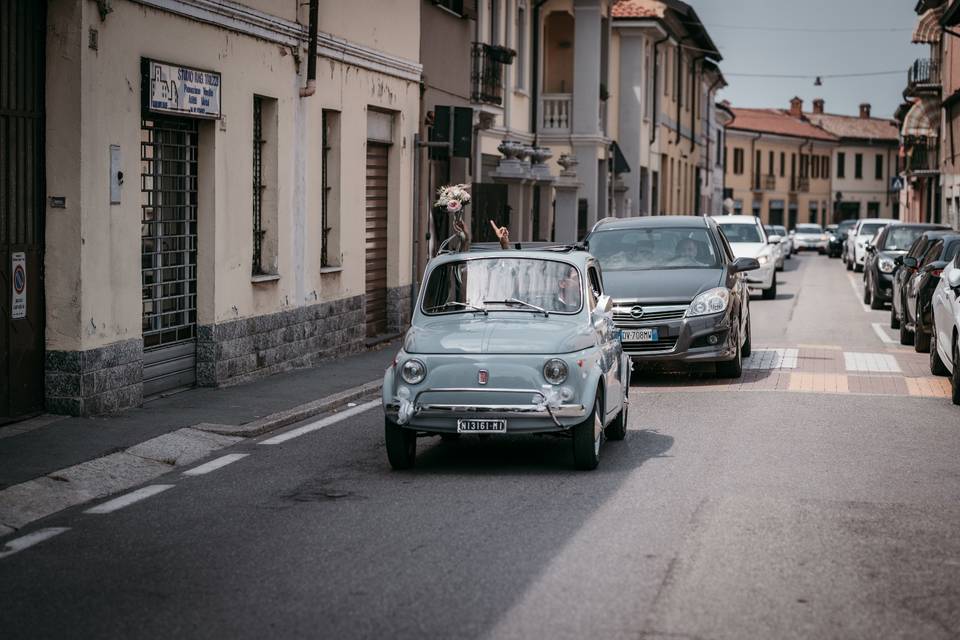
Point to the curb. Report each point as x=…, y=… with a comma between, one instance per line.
x=27, y=502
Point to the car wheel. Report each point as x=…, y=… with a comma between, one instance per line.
x=921, y=341
x=771, y=293
x=587, y=437
x=857, y=268
x=867, y=296
x=747, y=347
x=617, y=430
x=894, y=318
x=401, y=445
x=937, y=367
x=875, y=302
x=731, y=368
x=906, y=337
x=449, y=437
x=849, y=266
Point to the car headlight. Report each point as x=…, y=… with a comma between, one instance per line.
x=886, y=265
x=413, y=371
x=555, y=371
x=710, y=301
x=763, y=259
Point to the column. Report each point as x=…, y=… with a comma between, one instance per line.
x=630, y=136
x=567, y=188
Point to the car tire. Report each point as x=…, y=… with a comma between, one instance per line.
x=617, y=430
x=587, y=438
x=894, y=318
x=921, y=341
x=731, y=369
x=867, y=295
x=449, y=437
x=857, y=268
x=849, y=266
x=747, y=347
x=875, y=302
x=771, y=293
x=906, y=336
x=937, y=367
x=401, y=445
x=955, y=378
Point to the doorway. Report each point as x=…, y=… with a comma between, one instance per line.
x=376, y=237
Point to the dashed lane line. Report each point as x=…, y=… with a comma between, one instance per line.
x=25, y=542
x=217, y=463
x=129, y=498
x=320, y=424
x=882, y=334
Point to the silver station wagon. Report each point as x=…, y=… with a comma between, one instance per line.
x=509, y=342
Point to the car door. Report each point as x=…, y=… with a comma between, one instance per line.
x=736, y=282
x=916, y=278
x=946, y=312
x=903, y=274
x=610, y=346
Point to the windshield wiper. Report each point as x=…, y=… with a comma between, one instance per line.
x=454, y=303
x=523, y=303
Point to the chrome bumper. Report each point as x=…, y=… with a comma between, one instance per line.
x=435, y=410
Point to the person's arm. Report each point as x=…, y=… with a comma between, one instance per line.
x=503, y=235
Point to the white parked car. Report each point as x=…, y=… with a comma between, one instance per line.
x=786, y=240
x=945, y=334
x=810, y=236
x=860, y=236
x=748, y=240
x=782, y=248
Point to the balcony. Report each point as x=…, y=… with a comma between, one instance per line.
x=799, y=185
x=923, y=77
x=764, y=183
x=922, y=158
x=488, y=72
x=557, y=112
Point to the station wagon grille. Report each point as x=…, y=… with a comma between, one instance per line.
x=622, y=314
x=664, y=344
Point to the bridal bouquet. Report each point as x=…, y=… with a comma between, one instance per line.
x=453, y=198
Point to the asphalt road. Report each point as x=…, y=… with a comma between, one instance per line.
x=728, y=512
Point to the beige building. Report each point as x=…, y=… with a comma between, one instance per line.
x=778, y=165
x=212, y=214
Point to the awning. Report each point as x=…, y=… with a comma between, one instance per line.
x=923, y=119
x=928, y=28
x=620, y=164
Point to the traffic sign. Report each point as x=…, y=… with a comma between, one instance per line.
x=19, y=307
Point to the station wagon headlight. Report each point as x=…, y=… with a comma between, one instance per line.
x=763, y=259
x=413, y=371
x=710, y=301
x=886, y=265
x=555, y=371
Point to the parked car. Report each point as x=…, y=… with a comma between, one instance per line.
x=509, y=342
x=748, y=240
x=838, y=237
x=785, y=239
x=679, y=293
x=810, y=236
x=945, y=337
x=916, y=323
x=862, y=233
x=891, y=243
x=903, y=273
x=782, y=249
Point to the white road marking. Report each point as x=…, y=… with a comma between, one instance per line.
x=213, y=465
x=858, y=293
x=772, y=359
x=878, y=329
x=320, y=424
x=25, y=542
x=875, y=362
x=127, y=499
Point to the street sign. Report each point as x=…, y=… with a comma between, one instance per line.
x=896, y=184
x=169, y=88
x=18, y=309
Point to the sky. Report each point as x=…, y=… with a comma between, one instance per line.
x=790, y=38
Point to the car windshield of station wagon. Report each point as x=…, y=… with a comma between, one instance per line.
x=503, y=284
x=809, y=229
x=900, y=238
x=739, y=232
x=871, y=229
x=640, y=249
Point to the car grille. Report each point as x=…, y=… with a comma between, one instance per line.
x=663, y=344
x=621, y=315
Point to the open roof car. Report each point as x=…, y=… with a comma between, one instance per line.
x=509, y=342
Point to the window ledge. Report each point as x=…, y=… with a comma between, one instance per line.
x=265, y=278
x=326, y=270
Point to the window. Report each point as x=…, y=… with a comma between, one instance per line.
x=878, y=168
x=813, y=213
x=264, y=186
x=841, y=165
x=654, y=248
x=816, y=167
x=804, y=165
x=783, y=164
x=738, y=161
x=825, y=167
x=494, y=17
x=330, y=191
x=521, y=61
x=858, y=166
x=756, y=170
x=770, y=168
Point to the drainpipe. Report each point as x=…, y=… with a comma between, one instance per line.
x=656, y=89
x=535, y=70
x=677, y=89
x=311, y=88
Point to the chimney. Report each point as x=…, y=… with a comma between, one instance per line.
x=818, y=106
x=865, y=110
x=796, y=107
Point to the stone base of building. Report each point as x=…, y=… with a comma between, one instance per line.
x=241, y=350
x=399, y=304
x=96, y=381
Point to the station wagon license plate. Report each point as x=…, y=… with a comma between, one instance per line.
x=481, y=426
x=639, y=335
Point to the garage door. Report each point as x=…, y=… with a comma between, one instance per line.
x=376, y=238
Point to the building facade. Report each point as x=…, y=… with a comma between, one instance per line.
x=949, y=151
x=197, y=192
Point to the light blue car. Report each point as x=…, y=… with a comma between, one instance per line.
x=509, y=342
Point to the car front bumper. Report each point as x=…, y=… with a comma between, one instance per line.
x=761, y=278
x=819, y=245
x=685, y=340
x=884, y=286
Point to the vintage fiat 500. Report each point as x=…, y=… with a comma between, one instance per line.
x=509, y=342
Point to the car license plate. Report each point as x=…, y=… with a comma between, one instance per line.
x=481, y=426
x=639, y=335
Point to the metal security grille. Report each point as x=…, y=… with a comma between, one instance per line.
x=258, y=185
x=376, y=238
x=168, y=237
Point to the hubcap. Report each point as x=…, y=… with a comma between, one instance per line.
x=597, y=430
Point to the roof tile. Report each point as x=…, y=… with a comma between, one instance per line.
x=776, y=121
x=879, y=129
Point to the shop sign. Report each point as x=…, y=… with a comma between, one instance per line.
x=170, y=88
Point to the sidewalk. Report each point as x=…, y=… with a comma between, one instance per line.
x=29, y=451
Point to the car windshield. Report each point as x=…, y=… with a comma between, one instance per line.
x=738, y=232
x=900, y=238
x=870, y=229
x=809, y=228
x=503, y=284
x=780, y=231
x=654, y=248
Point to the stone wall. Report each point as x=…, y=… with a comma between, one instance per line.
x=399, y=301
x=97, y=381
x=240, y=350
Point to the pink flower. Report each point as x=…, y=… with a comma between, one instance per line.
x=453, y=206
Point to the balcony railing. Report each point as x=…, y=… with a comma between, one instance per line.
x=922, y=158
x=769, y=183
x=924, y=74
x=799, y=185
x=488, y=72
x=557, y=110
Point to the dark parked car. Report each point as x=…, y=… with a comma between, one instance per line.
x=878, y=268
x=838, y=238
x=679, y=294
x=903, y=273
x=916, y=322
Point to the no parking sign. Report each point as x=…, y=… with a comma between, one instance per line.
x=19, y=307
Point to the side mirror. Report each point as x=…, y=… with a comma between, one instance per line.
x=953, y=278
x=898, y=261
x=604, y=304
x=934, y=266
x=793, y=232
x=774, y=239
x=910, y=262
x=869, y=248
x=744, y=264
